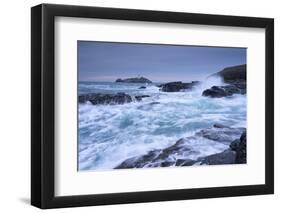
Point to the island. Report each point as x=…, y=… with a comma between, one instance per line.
x=133, y=80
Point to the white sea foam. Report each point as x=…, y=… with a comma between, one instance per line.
x=110, y=134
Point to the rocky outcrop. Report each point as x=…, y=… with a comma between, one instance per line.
x=233, y=74
x=133, y=80
x=236, y=154
x=240, y=147
x=177, y=86
x=221, y=133
x=160, y=158
x=226, y=157
x=111, y=99
x=178, y=153
x=234, y=77
x=224, y=91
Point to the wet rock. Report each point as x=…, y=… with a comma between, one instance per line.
x=178, y=86
x=139, y=161
x=214, y=92
x=172, y=87
x=112, y=99
x=235, y=144
x=240, y=147
x=166, y=164
x=185, y=162
x=226, y=157
x=221, y=133
x=235, y=77
x=220, y=126
x=161, y=158
x=223, y=91
x=140, y=97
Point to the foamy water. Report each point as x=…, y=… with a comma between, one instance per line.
x=110, y=134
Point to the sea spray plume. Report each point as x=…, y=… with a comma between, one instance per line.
x=208, y=83
x=213, y=80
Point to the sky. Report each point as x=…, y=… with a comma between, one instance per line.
x=107, y=61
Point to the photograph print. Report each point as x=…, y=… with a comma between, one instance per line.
x=160, y=105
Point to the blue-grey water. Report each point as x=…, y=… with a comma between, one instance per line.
x=110, y=134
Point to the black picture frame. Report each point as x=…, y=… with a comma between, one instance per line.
x=43, y=110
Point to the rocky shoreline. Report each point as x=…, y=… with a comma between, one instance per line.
x=177, y=154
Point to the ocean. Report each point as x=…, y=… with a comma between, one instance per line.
x=110, y=134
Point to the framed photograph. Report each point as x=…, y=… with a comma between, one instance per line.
x=139, y=106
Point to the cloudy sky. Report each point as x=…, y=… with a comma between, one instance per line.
x=107, y=61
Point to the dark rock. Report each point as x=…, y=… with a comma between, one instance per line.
x=235, y=144
x=172, y=87
x=140, y=161
x=240, y=146
x=214, y=92
x=140, y=97
x=97, y=99
x=242, y=86
x=167, y=164
x=185, y=162
x=226, y=157
x=233, y=74
x=161, y=158
x=220, y=126
x=222, y=134
x=133, y=80
x=142, y=87
x=235, y=77
x=223, y=91
x=112, y=99
x=177, y=86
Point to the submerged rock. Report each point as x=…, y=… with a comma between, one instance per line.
x=133, y=80
x=142, y=87
x=140, y=97
x=154, y=103
x=177, y=86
